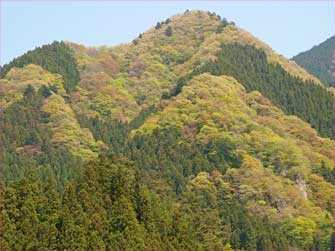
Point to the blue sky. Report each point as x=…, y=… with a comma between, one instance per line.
x=289, y=27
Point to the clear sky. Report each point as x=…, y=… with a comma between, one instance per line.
x=287, y=26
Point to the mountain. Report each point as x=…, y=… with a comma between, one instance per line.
x=319, y=61
x=196, y=135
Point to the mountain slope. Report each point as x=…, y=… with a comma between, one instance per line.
x=39, y=127
x=194, y=136
x=150, y=67
x=319, y=61
x=213, y=109
x=294, y=96
x=18, y=79
x=56, y=58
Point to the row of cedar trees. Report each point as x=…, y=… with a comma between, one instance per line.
x=109, y=207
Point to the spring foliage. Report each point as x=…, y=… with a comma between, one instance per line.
x=196, y=136
x=56, y=58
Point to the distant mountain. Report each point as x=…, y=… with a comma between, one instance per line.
x=319, y=61
x=194, y=136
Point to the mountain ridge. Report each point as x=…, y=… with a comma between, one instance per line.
x=237, y=35
x=319, y=61
x=220, y=32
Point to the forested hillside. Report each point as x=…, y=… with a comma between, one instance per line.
x=313, y=103
x=319, y=61
x=56, y=58
x=194, y=136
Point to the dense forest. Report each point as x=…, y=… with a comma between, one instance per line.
x=319, y=61
x=55, y=57
x=180, y=140
x=110, y=208
x=27, y=141
x=309, y=101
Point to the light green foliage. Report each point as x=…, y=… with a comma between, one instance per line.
x=17, y=79
x=57, y=58
x=152, y=66
x=100, y=95
x=197, y=103
x=265, y=193
x=219, y=108
x=67, y=131
x=300, y=231
x=118, y=83
x=148, y=68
